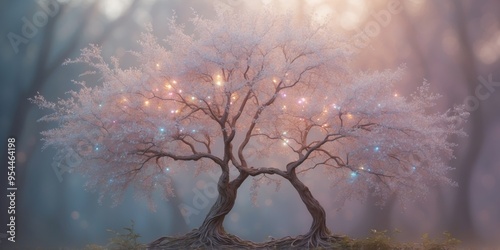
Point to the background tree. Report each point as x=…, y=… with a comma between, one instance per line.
x=251, y=76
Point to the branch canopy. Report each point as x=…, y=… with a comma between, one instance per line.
x=246, y=81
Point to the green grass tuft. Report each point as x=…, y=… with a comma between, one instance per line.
x=126, y=240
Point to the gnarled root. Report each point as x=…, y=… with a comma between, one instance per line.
x=196, y=240
x=307, y=241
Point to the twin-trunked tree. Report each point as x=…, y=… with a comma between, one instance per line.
x=245, y=78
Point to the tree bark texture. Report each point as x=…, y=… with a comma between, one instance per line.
x=318, y=232
x=213, y=223
x=211, y=233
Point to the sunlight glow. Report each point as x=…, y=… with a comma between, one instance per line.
x=352, y=17
x=114, y=8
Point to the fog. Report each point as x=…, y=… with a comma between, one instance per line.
x=454, y=45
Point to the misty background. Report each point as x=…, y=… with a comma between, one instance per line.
x=453, y=44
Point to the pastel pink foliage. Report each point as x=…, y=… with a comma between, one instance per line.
x=276, y=83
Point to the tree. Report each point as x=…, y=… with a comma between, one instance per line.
x=243, y=78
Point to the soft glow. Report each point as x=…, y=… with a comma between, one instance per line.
x=113, y=8
x=218, y=81
x=353, y=15
x=146, y=103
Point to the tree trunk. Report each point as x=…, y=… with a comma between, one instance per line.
x=461, y=223
x=212, y=226
x=211, y=233
x=318, y=232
